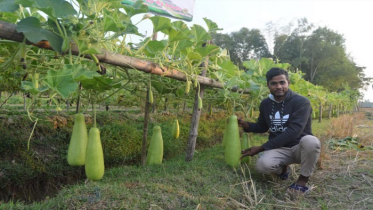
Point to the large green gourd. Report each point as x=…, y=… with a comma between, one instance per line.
x=244, y=145
x=175, y=129
x=232, y=142
x=94, y=162
x=155, y=150
x=78, y=142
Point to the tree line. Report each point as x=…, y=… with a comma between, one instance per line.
x=319, y=52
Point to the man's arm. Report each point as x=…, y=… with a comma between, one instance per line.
x=259, y=127
x=251, y=151
x=243, y=124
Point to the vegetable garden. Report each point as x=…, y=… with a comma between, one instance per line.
x=56, y=52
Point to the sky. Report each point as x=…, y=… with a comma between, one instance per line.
x=350, y=18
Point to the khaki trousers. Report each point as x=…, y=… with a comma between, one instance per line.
x=306, y=153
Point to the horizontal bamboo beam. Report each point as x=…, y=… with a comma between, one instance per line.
x=8, y=31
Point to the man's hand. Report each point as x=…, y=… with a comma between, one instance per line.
x=243, y=124
x=251, y=151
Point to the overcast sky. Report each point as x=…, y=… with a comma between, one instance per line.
x=350, y=18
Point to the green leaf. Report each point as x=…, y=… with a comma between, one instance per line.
x=135, y=8
x=213, y=27
x=181, y=26
x=61, y=81
x=253, y=86
x=81, y=72
x=199, y=34
x=128, y=29
x=8, y=6
x=33, y=31
x=110, y=24
x=99, y=83
x=160, y=23
x=183, y=44
x=25, y=3
x=174, y=35
x=153, y=47
x=232, y=70
x=29, y=87
x=92, y=50
x=55, y=8
x=161, y=88
x=193, y=56
x=251, y=64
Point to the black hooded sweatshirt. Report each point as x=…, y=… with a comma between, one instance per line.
x=287, y=121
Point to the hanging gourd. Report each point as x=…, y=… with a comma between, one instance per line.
x=78, y=142
x=232, y=143
x=155, y=150
x=94, y=166
x=175, y=129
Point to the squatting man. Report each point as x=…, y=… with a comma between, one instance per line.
x=287, y=117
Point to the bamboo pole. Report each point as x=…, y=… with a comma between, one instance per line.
x=146, y=119
x=193, y=132
x=320, y=112
x=8, y=31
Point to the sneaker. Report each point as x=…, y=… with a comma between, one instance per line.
x=298, y=189
x=285, y=175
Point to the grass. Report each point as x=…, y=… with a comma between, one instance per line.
x=343, y=180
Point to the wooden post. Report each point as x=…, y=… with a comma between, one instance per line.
x=146, y=120
x=24, y=102
x=145, y=129
x=330, y=111
x=193, y=132
x=78, y=99
x=320, y=113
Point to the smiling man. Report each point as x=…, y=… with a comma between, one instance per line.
x=287, y=117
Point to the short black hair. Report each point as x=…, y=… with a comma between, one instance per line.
x=275, y=72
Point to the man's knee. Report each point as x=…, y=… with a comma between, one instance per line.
x=310, y=144
x=267, y=166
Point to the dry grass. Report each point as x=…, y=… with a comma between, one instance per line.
x=343, y=179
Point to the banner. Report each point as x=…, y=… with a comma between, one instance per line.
x=181, y=9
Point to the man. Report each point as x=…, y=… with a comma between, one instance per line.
x=287, y=117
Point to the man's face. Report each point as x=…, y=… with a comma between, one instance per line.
x=278, y=86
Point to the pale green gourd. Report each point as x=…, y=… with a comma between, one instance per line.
x=175, y=129
x=245, y=144
x=155, y=150
x=94, y=163
x=78, y=142
x=232, y=143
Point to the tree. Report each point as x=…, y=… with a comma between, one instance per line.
x=243, y=45
x=321, y=55
x=290, y=48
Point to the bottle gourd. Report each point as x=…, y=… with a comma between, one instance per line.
x=94, y=166
x=175, y=129
x=155, y=150
x=232, y=143
x=78, y=142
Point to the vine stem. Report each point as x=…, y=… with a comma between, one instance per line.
x=7, y=99
x=94, y=115
x=32, y=132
